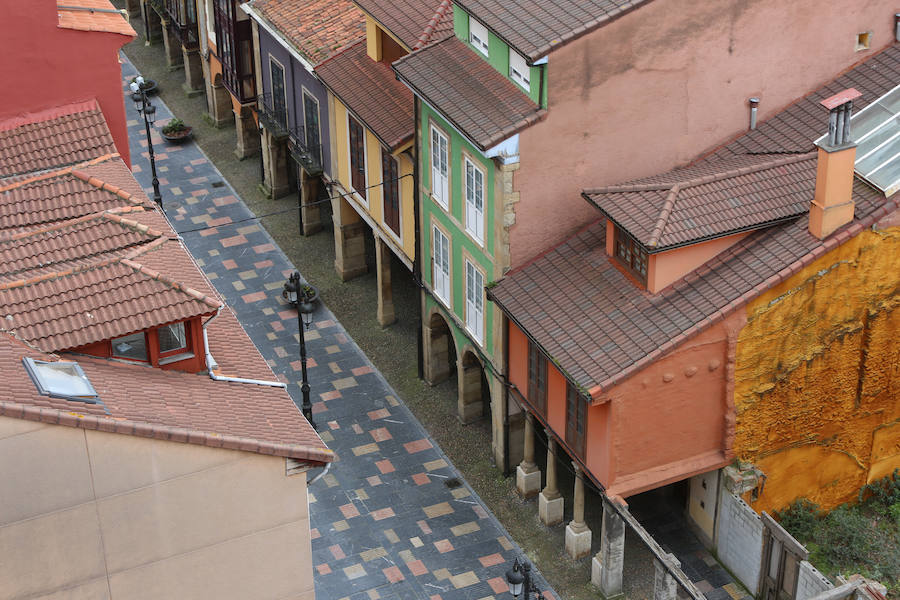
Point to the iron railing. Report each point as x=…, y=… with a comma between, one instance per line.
x=308, y=155
x=274, y=118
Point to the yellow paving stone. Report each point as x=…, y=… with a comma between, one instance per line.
x=361, y=494
x=212, y=276
x=392, y=536
x=239, y=285
x=441, y=574
x=213, y=252
x=310, y=335
x=248, y=229
x=332, y=349
x=274, y=285
x=370, y=555
x=416, y=542
x=341, y=525
x=312, y=497
x=326, y=437
x=201, y=219
x=464, y=579
x=438, y=510
x=365, y=449
x=460, y=493
x=733, y=591
x=392, y=401
x=268, y=311
x=354, y=571
x=250, y=274
x=465, y=528
x=200, y=262
x=433, y=465
x=374, y=595
x=175, y=190
x=191, y=200
x=272, y=336
x=334, y=367
x=504, y=541
x=344, y=383
x=406, y=556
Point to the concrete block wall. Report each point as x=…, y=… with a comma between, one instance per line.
x=810, y=582
x=739, y=539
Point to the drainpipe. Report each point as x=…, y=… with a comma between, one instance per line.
x=754, y=104
x=897, y=27
x=505, y=397
x=417, y=237
x=319, y=476
x=211, y=362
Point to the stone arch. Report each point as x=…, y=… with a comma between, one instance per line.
x=439, y=348
x=474, y=390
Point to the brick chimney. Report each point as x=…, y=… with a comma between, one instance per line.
x=832, y=206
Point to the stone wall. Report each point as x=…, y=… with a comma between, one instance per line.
x=810, y=582
x=739, y=539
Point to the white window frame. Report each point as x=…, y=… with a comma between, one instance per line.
x=440, y=182
x=440, y=264
x=356, y=195
x=474, y=218
x=474, y=301
x=478, y=36
x=519, y=71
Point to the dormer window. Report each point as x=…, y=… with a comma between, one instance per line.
x=172, y=338
x=518, y=70
x=131, y=347
x=165, y=345
x=631, y=255
x=478, y=36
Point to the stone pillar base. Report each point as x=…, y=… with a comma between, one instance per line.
x=469, y=402
x=350, y=250
x=385, y=312
x=153, y=24
x=597, y=577
x=193, y=72
x=528, y=481
x=247, y=133
x=221, y=114
x=665, y=587
x=550, y=509
x=133, y=8
x=174, y=58
x=578, y=540
x=310, y=213
x=436, y=350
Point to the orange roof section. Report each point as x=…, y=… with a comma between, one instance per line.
x=93, y=15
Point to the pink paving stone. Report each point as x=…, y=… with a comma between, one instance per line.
x=382, y=513
x=262, y=264
x=219, y=221
x=314, y=533
x=287, y=314
x=443, y=546
x=416, y=567
x=378, y=414
x=262, y=248
x=196, y=193
x=254, y=297
x=319, y=407
x=323, y=569
x=356, y=428
x=179, y=217
x=210, y=231
x=196, y=180
x=277, y=326
x=236, y=240
x=224, y=200
x=381, y=434
x=421, y=478
x=393, y=574
x=482, y=514
x=498, y=585
x=491, y=559
x=373, y=480
x=337, y=552
x=417, y=446
x=385, y=466
x=424, y=527
x=136, y=168
x=330, y=395
x=334, y=425
x=349, y=511
x=327, y=323
x=435, y=597
x=361, y=370
x=198, y=161
x=341, y=338
x=188, y=169
x=162, y=156
x=229, y=264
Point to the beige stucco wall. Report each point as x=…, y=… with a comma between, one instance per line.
x=85, y=514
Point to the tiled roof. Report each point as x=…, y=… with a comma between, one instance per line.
x=53, y=138
x=710, y=200
x=536, y=28
x=92, y=15
x=408, y=19
x=370, y=90
x=600, y=328
x=468, y=91
x=318, y=28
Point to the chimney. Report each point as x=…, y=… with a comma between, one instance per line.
x=832, y=206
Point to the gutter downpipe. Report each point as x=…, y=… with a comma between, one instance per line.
x=320, y=475
x=417, y=257
x=211, y=362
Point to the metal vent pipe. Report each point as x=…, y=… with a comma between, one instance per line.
x=754, y=104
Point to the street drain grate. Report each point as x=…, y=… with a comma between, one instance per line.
x=218, y=184
x=452, y=483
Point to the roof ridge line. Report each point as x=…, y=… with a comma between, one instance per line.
x=53, y=226
x=432, y=24
x=49, y=114
x=106, y=187
x=625, y=187
x=157, y=276
x=793, y=158
x=339, y=52
x=57, y=172
x=664, y=215
x=132, y=224
x=20, y=283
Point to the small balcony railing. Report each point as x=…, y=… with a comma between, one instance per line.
x=307, y=155
x=274, y=118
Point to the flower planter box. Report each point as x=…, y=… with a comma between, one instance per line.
x=176, y=137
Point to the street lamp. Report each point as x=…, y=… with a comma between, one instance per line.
x=305, y=304
x=143, y=105
x=519, y=578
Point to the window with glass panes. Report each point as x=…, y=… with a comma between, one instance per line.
x=441, y=265
x=391, y=189
x=474, y=302
x=537, y=378
x=576, y=419
x=631, y=255
x=439, y=168
x=474, y=201
x=234, y=49
x=357, y=156
x=311, y=124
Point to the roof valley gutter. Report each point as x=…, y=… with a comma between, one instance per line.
x=270, y=29
x=211, y=362
x=92, y=10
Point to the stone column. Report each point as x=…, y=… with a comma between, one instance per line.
x=349, y=240
x=436, y=350
x=193, y=72
x=276, y=182
x=310, y=212
x=607, y=565
x=247, y=133
x=152, y=23
x=469, y=403
x=172, y=44
x=221, y=111
x=386, y=314
x=528, y=475
x=578, y=535
x=133, y=7
x=550, y=502
x=665, y=587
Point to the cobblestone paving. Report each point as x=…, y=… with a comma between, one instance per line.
x=393, y=518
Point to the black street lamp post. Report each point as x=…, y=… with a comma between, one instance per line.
x=305, y=305
x=143, y=105
x=519, y=579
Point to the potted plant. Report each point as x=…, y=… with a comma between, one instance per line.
x=176, y=131
x=149, y=85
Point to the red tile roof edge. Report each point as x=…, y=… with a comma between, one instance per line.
x=156, y=275
x=94, y=181
x=111, y=215
x=162, y=432
x=49, y=114
x=63, y=171
x=432, y=24
x=832, y=242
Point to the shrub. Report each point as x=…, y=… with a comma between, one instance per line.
x=174, y=126
x=884, y=493
x=800, y=518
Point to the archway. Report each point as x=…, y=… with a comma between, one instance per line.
x=439, y=349
x=474, y=391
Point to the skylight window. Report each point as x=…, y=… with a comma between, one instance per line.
x=478, y=36
x=61, y=379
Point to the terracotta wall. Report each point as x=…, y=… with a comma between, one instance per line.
x=55, y=66
x=817, y=387
x=660, y=85
x=92, y=514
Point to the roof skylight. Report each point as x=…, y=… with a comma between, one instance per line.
x=61, y=379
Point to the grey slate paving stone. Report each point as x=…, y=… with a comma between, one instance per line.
x=397, y=491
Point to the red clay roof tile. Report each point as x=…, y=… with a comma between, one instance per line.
x=409, y=19
x=93, y=15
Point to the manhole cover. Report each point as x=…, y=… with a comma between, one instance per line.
x=452, y=483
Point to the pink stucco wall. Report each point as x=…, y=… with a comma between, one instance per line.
x=670, y=80
x=671, y=265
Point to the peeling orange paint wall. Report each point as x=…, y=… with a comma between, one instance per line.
x=817, y=376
